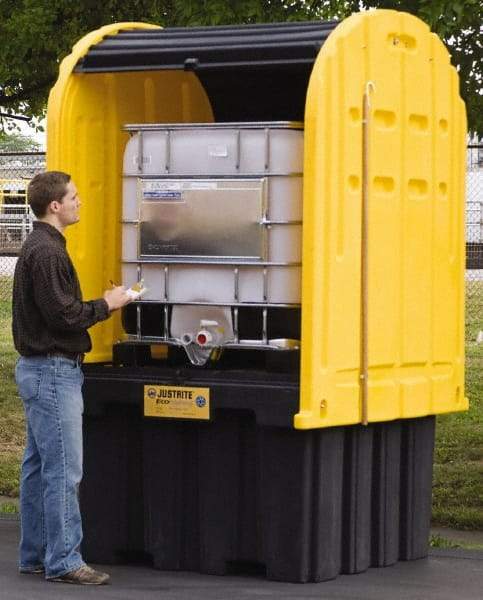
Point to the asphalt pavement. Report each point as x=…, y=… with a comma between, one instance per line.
x=445, y=575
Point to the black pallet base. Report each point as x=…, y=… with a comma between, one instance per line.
x=234, y=494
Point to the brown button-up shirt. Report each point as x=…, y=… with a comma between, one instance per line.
x=48, y=312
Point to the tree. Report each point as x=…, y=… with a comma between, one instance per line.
x=37, y=34
x=13, y=142
x=458, y=24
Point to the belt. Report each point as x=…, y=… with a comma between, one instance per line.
x=77, y=357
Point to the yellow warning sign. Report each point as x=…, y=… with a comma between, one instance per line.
x=176, y=402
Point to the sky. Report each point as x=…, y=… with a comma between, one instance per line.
x=38, y=136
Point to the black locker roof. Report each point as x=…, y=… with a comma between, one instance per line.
x=250, y=72
x=265, y=46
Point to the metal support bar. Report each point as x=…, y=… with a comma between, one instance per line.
x=268, y=222
x=140, y=152
x=265, y=326
x=267, y=148
x=263, y=221
x=236, y=290
x=235, y=325
x=166, y=283
x=255, y=175
x=188, y=261
x=246, y=344
x=138, y=321
x=168, y=152
x=238, y=150
x=166, y=323
x=227, y=304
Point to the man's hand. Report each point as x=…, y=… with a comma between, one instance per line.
x=116, y=297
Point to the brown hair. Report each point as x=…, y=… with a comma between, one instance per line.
x=44, y=188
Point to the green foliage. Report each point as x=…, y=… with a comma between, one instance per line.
x=37, y=34
x=11, y=412
x=9, y=508
x=438, y=541
x=458, y=24
x=10, y=474
x=14, y=142
x=458, y=458
x=474, y=312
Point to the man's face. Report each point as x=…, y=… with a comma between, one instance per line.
x=68, y=208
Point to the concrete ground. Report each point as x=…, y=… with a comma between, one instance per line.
x=445, y=575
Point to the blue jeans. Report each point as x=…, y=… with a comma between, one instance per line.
x=51, y=527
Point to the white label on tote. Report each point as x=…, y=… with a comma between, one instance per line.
x=203, y=185
x=165, y=190
x=146, y=159
x=218, y=151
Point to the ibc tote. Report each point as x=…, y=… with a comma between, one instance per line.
x=270, y=399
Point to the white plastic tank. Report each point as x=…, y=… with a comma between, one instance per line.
x=212, y=215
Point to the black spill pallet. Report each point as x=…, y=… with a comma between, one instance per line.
x=245, y=491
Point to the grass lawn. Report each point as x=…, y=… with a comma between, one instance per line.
x=11, y=413
x=458, y=461
x=458, y=468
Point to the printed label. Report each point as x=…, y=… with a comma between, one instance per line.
x=156, y=189
x=162, y=195
x=176, y=402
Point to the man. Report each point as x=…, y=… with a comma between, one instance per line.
x=50, y=322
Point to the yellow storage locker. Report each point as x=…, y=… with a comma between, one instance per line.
x=410, y=361
x=334, y=442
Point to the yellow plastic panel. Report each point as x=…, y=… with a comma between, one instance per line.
x=84, y=138
x=416, y=156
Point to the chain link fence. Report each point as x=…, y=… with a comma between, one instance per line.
x=474, y=244
x=16, y=170
x=16, y=221
x=15, y=225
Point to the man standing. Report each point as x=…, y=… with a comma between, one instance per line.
x=50, y=322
